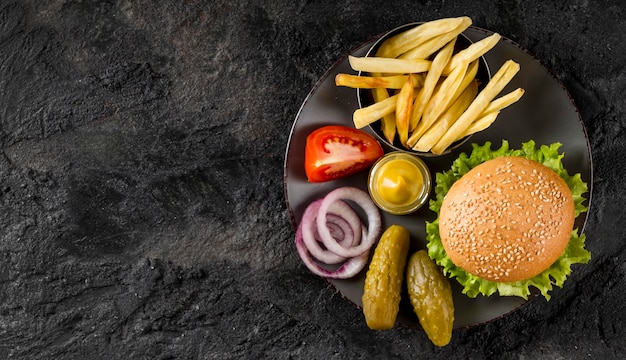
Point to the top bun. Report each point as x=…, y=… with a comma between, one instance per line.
x=507, y=219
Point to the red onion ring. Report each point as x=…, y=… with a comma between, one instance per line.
x=339, y=229
x=374, y=226
x=348, y=224
x=331, y=232
x=342, y=210
x=348, y=269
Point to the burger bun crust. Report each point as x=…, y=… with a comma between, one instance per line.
x=508, y=219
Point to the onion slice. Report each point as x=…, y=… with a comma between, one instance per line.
x=348, y=269
x=332, y=233
x=344, y=228
x=374, y=226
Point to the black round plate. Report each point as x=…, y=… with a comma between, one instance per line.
x=545, y=114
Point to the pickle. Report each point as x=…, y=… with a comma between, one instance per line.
x=383, y=281
x=431, y=297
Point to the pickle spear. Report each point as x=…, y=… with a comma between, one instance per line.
x=383, y=281
x=431, y=297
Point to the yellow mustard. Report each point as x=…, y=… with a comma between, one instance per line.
x=399, y=183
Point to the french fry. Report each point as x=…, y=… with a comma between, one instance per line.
x=470, y=75
x=430, y=46
x=435, y=107
x=440, y=102
x=372, y=82
x=480, y=103
x=367, y=115
x=472, y=52
x=388, y=65
x=443, y=103
x=387, y=122
x=405, y=41
x=436, y=131
x=403, y=110
x=492, y=111
x=504, y=101
x=481, y=124
x=432, y=77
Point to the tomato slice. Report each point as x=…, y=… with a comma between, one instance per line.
x=336, y=151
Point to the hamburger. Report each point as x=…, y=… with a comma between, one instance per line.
x=506, y=220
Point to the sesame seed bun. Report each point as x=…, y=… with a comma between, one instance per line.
x=507, y=219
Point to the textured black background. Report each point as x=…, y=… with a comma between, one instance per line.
x=141, y=194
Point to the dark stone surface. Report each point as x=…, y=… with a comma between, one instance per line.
x=141, y=180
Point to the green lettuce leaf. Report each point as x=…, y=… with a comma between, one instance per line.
x=575, y=253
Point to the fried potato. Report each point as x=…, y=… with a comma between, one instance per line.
x=486, y=119
x=372, y=82
x=403, y=110
x=492, y=111
x=478, y=105
x=470, y=75
x=443, y=123
x=481, y=124
x=432, y=77
x=472, y=52
x=387, y=122
x=424, y=93
x=440, y=102
x=435, y=107
x=388, y=65
x=367, y=115
x=504, y=101
x=405, y=41
x=432, y=45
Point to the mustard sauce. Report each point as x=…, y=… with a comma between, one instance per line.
x=399, y=183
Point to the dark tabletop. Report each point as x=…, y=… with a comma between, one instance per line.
x=141, y=180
